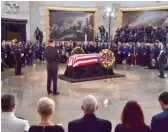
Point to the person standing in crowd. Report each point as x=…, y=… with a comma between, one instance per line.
x=89, y=123
x=41, y=50
x=162, y=60
x=9, y=122
x=159, y=122
x=167, y=38
x=18, y=61
x=10, y=53
x=23, y=49
x=53, y=58
x=132, y=119
x=29, y=54
x=156, y=53
x=37, y=51
x=3, y=55
x=45, y=108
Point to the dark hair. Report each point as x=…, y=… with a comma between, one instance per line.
x=164, y=97
x=50, y=41
x=7, y=102
x=132, y=115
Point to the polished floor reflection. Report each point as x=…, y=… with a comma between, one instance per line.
x=139, y=84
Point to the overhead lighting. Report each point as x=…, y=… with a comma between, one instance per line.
x=114, y=9
x=108, y=9
x=112, y=14
x=107, y=14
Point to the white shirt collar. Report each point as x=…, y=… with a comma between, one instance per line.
x=8, y=114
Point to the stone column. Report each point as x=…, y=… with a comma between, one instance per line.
x=34, y=18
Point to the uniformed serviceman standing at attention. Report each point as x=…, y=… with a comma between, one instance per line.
x=52, y=58
x=18, y=61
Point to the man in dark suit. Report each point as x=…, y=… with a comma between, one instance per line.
x=162, y=61
x=52, y=57
x=89, y=123
x=160, y=121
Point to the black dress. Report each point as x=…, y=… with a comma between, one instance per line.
x=55, y=128
x=123, y=128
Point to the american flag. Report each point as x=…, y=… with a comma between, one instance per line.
x=82, y=59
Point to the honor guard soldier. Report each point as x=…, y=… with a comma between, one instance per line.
x=18, y=63
x=53, y=58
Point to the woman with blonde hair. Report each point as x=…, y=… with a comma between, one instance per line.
x=45, y=108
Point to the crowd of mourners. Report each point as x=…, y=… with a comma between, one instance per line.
x=135, y=46
x=133, y=53
x=30, y=52
x=132, y=117
x=142, y=33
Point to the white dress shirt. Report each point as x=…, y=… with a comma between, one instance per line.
x=10, y=123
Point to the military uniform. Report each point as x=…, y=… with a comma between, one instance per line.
x=53, y=58
x=18, y=62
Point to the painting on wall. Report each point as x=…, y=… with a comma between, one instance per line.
x=154, y=18
x=71, y=25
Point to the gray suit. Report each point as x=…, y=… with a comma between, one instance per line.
x=52, y=57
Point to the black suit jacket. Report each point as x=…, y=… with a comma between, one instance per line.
x=55, y=128
x=90, y=123
x=52, y=57
x=123, y=128
x=159, y=122
x=162, y=56
x=17, y=54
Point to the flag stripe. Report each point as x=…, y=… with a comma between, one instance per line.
x=82, y=59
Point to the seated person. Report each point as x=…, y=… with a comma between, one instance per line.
x=9, y=122
x=159, y=122
x=45, y=108
x=89, y=123
x=132, y=119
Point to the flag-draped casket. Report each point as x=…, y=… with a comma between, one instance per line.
x=85, y=66
x=82, y=60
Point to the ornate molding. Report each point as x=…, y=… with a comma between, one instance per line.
x=12, y=7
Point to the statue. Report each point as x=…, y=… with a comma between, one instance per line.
x=38, y=35
x=12, y=7
x=102, y=35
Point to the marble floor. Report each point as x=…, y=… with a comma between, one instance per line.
x=139, y=84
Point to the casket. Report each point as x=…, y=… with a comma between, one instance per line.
x=84, y=66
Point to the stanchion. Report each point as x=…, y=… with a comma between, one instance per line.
x=34, y=59
x=42, y=58
x=132, y=61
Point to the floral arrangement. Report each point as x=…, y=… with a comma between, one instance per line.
x=106, y=58
x=77, y=50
